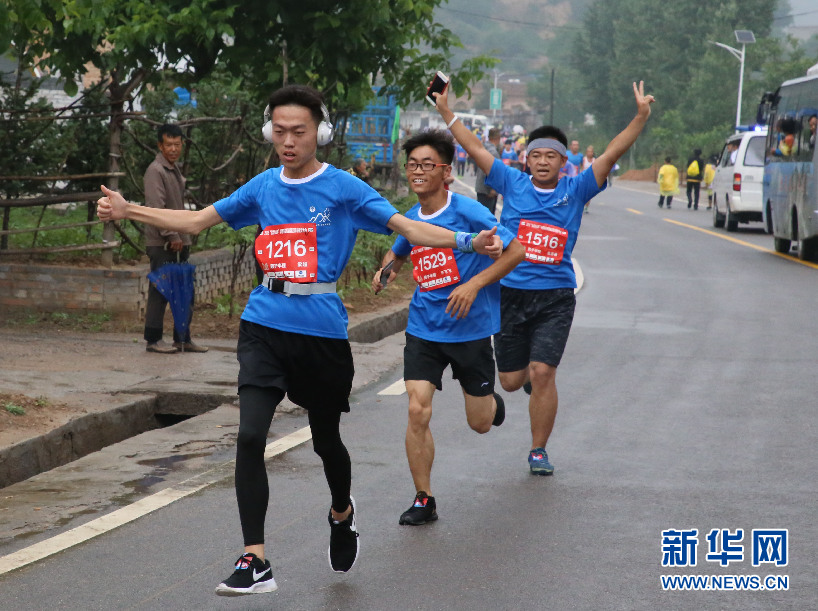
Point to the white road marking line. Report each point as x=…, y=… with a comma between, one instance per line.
x=470, y=190
x=579, y=275
x=398, y=388
x=136, y=510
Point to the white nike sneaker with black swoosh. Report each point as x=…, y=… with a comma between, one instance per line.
x=252, y=576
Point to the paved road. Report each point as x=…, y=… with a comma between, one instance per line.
x=687, y=402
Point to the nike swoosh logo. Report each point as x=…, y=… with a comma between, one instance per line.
x=484, y=384
x=257, y=576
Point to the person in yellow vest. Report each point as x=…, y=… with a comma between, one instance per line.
x=668, y=183
x=709, y=175
x=695, y=169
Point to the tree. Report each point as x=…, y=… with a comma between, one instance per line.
x=338, y=48
x=668, y=46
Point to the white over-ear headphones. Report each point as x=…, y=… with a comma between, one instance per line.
x=325, y=129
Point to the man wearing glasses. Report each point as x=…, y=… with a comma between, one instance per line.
x=453, y=314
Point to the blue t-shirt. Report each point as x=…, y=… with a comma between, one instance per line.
x=560, y=207
x=575, y=158
x=510, y=154
x=339, y=205
x=427, y=312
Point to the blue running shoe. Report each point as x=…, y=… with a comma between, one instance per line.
x=538, y=462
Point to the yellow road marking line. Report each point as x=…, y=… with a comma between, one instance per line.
x=634, y=211
x=743, y=243
x=136, y=510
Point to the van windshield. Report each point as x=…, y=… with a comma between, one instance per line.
x=755, y=152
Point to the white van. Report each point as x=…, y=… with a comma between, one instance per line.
x=737, y=186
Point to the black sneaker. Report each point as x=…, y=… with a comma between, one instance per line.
x=422, y=510
x=252, y=576
x=343, y=542
x=500, y=414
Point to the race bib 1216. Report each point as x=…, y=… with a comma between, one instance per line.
x=289, y=251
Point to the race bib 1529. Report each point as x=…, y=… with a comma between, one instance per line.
x=434, y=267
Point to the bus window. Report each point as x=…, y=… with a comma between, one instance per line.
x=809, y=121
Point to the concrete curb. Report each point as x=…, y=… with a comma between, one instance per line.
x=126, y=415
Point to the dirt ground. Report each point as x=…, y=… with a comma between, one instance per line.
x=24, y=416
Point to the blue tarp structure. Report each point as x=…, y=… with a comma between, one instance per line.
x=175, y=282
x=184, y=97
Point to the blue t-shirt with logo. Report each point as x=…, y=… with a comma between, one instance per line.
x=560, y=207
x=339, y=205
x=427, y=311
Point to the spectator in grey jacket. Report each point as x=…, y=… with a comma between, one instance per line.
x=165, y=188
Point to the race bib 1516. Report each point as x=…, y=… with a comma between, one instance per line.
x=543, y=243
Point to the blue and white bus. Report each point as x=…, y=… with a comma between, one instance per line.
x=791, y=168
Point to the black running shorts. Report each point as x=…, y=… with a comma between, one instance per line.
x=534, y=326
x=472, y=363
x=315, y=372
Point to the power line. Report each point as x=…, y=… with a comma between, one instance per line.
x=794, y=15
x=514, y=21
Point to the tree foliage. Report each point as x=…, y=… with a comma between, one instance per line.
x=669, y=46
x=338, y=47
x=232, y=53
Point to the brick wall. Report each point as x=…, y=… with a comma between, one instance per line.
x=121, y=291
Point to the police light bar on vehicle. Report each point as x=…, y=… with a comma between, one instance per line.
x=750, y=128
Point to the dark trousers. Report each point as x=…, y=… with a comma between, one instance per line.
x=662, y=200
x=256, y=408
x=488, y=201
x=155, y=310
x=694, y=186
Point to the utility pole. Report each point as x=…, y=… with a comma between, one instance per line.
x=494, y=110
x=551, y=122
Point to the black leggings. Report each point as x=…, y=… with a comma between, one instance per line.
x=257, y=406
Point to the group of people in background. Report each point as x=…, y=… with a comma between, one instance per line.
x=699, y=173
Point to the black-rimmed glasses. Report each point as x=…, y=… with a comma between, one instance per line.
x=426, y=166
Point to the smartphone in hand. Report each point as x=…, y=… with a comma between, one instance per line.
x=438, y=85
x=385, y=272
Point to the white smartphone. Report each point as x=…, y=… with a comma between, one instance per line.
x=438, y=85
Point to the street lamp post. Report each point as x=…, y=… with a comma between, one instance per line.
x=496, y=76
x=744, y=37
